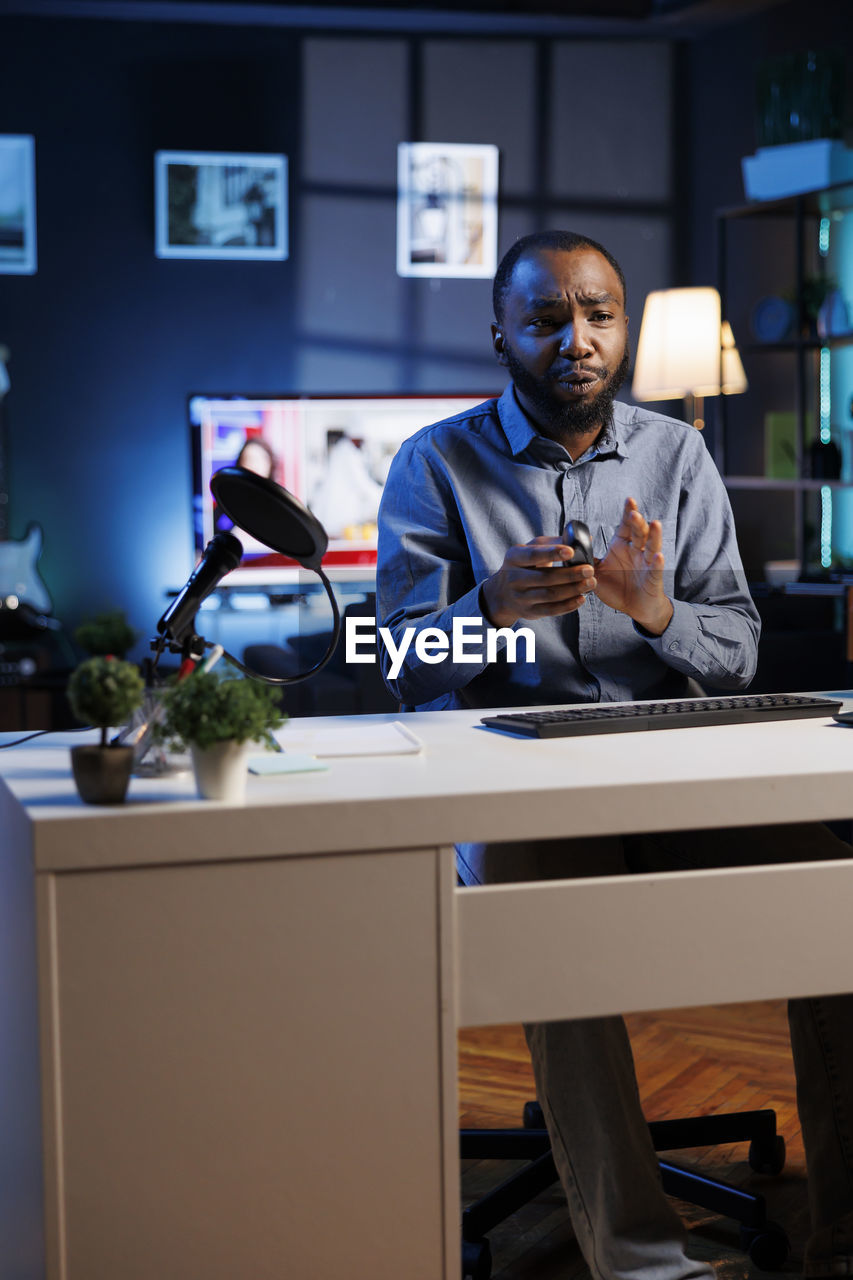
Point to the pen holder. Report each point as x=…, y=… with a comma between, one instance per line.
x=151, y=756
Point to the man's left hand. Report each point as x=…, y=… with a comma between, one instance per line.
x=630, y=576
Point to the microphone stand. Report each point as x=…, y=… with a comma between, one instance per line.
x=274, y=517
x=191, y=647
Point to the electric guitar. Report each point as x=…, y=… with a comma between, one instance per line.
x=19, y=575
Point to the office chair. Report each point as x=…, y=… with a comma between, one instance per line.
x=765, y=1242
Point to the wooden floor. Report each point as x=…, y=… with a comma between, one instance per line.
x=689, y=1061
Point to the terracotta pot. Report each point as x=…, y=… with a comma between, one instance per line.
x=220, y=771
x=102, y=774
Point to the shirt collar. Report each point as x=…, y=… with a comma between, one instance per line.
x=518, y=429
x=521, y=433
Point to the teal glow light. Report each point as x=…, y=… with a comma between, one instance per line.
x=825, y=395
x=823, y=237
x=825, y=526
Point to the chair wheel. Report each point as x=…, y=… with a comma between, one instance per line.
x=767, y=1246
x=476, y=1260
x=532, y=1117
x=767, y=1157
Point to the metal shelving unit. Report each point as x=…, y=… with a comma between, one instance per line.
x=802, y=211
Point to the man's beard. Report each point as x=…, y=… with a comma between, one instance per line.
x=575, y=417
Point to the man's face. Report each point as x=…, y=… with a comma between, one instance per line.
x=564, y=339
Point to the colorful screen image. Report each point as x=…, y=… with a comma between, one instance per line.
x=331, y=452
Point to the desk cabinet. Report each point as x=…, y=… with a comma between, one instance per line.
x=212, y=1103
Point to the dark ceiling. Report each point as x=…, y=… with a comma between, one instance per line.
x=676, y=17
x=639, y=10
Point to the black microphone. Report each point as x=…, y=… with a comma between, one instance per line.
x=222, y=554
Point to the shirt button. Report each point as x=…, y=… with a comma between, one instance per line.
x=673, y=646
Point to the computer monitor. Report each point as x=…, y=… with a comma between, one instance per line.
x=332, y=452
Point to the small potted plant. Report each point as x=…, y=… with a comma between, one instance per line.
x=217, y=717
x=107, y=633
x=103, y=692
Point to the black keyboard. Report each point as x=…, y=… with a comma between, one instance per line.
x=628, y=717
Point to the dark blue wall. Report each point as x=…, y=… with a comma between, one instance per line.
x=608, y=137
x=106, y=340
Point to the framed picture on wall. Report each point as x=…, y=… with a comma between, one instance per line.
x=17, y=204
x=447, y=209
x=216, y=205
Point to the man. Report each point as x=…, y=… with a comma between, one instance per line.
x=469, y=528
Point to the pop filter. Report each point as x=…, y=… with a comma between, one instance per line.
x=280, y=521
x=271, y=514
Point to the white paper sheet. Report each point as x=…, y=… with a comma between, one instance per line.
x=392, y=738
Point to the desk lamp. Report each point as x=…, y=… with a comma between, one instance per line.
x=685, y=351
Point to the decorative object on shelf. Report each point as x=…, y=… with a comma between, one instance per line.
x=780, y=446
x=103, y=692
x=685, y=351
x=810, y=297
x=773, y=319
x=106, y=633
x=774, y=172
x=217, y=717
x=833, y=317
x=800, y=313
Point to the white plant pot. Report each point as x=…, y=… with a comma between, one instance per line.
x=220, y=771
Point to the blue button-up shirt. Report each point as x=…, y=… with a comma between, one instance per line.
x=463, y=491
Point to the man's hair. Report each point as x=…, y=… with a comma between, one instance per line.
x=531, y=244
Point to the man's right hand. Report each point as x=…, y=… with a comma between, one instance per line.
x=526, y=585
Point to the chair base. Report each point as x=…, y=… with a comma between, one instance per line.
x=764, y=1241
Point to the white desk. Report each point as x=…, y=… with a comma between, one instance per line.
x=248, y=1016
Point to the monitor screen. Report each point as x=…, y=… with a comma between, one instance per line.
x=332, y=452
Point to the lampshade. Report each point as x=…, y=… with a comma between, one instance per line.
x=679, y=351
x=734, y=377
